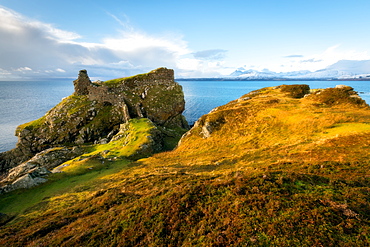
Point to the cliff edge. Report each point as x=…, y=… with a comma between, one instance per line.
x=280, y=166
x=96, y=112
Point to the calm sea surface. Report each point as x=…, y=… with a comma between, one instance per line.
x=21, y=102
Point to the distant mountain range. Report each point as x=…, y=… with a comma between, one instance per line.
x=344, y=69
x=341, y=70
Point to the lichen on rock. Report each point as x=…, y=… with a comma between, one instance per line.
x=154, y=95
x=341, y=94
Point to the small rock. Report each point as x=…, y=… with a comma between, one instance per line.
x=104, y=141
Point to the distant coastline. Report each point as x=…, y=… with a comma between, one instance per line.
x=271, y=79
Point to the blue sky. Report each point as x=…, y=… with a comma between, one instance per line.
x=43, y=38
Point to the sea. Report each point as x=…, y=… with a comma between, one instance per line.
x=24, y=101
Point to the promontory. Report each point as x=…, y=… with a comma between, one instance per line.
x=280, y=166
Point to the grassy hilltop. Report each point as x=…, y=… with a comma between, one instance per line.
x=272, y=168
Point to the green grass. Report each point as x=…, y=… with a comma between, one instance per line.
x=87, y=176
x=31, y=125
x=68, y=106
x=83, y=170
x=270, y=208
x=135, y=134
x=275, y=171
x=116, y=82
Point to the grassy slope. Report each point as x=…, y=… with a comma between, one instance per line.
x=84, y=172
x=276, y=170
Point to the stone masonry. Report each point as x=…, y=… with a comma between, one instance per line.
x=154, y=95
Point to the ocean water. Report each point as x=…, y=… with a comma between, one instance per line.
x=22, y=102
x=202, y=96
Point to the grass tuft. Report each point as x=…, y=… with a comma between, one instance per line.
x=273, y=170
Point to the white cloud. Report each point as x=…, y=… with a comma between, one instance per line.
x=290, y=56
x=191, y=67
x=32, y=44
x=52, y=52
x=55, y=33
x=30, y=48
x=213, y=54
x=125, y=24
x=335, y=53
x=188, y=64
x=4, y=73
x=134, y=41
x=29, y=44
x=16, y=23
x=315, y=62
x=23, y=69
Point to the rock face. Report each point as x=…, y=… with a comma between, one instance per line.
x=295, y=91
x=341, y=94
x=94, y=113
x=24, y=176
x=154, y=95
x=82, y=83
x=34, y=171
x=329, y=97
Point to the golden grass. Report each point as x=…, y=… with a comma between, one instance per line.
x=275, y=171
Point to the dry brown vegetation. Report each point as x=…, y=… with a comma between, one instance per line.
x=272, y=168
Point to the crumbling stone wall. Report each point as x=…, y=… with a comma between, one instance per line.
x=82, y=84
x=96, y=110
x=154, y=95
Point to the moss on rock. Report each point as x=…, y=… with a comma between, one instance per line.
x=94, y=113
x=274, y=171
x=296, y=91
x=336, y=96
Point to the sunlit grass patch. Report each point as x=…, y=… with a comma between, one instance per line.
x=347, y=129
x=272, y=171
x=116, y=82
x=82, y=177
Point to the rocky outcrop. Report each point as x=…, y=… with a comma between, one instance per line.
x=295, y=91
x=94, y=113
x=154, y=95
x=152, y=140
x=11, y=158
x=34, y=171
x=341, y=95
x=82, y=83
x=24, y=176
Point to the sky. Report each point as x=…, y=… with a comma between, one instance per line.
x=111, y=39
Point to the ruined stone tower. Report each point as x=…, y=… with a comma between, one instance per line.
x=82, y=83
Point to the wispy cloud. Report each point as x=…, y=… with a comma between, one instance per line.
x=30, y=49
x=23, y=69
x=50, y=51
x=293, y=56
x=123, y=23
x=311, y=60
x=318, y=61
x=213, y=54
x=27, y=43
